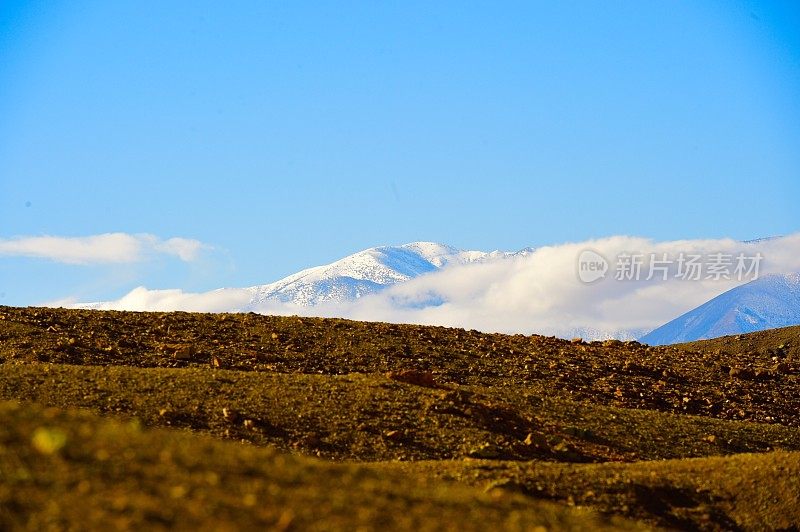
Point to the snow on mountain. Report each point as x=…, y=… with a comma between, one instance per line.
x=769, y=302
x=366, y=272
x=591, y=334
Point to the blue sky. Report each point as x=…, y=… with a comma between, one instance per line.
x=284, y=135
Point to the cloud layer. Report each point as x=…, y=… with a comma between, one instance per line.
x=107, y=248
x=142, y=299
x=540, y=293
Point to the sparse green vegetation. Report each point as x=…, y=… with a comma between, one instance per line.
x=418, y=426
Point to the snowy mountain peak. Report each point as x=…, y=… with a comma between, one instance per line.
x=437, y=254
x=365, y=272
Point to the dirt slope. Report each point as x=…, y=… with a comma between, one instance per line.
x=422, y=427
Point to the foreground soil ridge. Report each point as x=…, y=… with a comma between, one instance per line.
x=241, y=420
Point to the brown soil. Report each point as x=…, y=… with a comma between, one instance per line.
x=507, y=412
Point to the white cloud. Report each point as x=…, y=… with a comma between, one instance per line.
x=108, y=248
x=142, y=299
x=185, y=249
x=538, y=293
x=542, y=292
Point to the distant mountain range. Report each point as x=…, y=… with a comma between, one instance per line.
x=367, y=272
x=765, y=303
x=768, y=302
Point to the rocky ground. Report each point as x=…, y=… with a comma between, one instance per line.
x=339, y=424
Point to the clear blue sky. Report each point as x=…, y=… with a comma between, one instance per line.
x=288, y=134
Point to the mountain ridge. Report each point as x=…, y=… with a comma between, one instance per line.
x=366, y=272
x=769, y=302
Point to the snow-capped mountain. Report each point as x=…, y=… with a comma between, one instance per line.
x=769, y=302
x=366, y=272
x=436, y=284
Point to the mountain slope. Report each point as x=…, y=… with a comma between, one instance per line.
x=364, y=273
x=769, y=302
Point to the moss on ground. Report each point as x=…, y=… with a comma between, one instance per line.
x=372, y=417
x=62, y=469
x=742, y=492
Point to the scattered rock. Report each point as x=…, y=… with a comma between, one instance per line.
x=486, y=451
x=413, y=376
x=307, y=441
x=567, y=452
x=742, y=373
x=180, y=351
x=506, y=485
x=763, y=374
x=184, y=353
x=536, y=440
x=579, y=432
x=393, y=435
x=782, y=367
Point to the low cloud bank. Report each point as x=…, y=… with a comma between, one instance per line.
x=644, y=285
x=142, y=299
